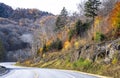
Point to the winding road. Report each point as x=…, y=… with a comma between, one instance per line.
x=29, y=72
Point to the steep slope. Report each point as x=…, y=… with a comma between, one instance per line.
x=100, y=56
x=16, y=31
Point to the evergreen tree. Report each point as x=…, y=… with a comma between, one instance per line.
x=91, y=9
x=78, y=27
x=62, y=19
x=81, y=27
x=64, y=12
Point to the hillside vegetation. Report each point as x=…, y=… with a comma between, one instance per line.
x=82, y=44
x=88, y=42
x=16, y=31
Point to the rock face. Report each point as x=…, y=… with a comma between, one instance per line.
x=103, y=51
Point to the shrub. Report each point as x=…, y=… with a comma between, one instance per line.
x=82, y=63
x=71, y=33
x=115, y=60
x=99, y=37
x=77, y=45
x=56, y=45
x=44, y=48
x=78, y=27
x=81, y=28
x=67, y=45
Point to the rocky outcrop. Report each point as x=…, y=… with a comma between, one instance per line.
x=104, y=51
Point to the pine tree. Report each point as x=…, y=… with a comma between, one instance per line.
x=64, y=12
x=61, y=19
x=91, y=9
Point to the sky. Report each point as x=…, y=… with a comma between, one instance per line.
x=52, y=6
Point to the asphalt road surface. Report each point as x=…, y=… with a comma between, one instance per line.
x=29, y=72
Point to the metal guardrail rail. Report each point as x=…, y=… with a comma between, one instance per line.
x=3, y=70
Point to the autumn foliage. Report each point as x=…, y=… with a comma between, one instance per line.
x=114, y=19
x=74, y=34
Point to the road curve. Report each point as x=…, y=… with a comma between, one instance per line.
x=28, y=72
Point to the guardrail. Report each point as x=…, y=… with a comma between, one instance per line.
x=3, y=70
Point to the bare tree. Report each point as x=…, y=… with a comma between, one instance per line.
x=107, y=6
x=43, y=33
x=80, y=7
